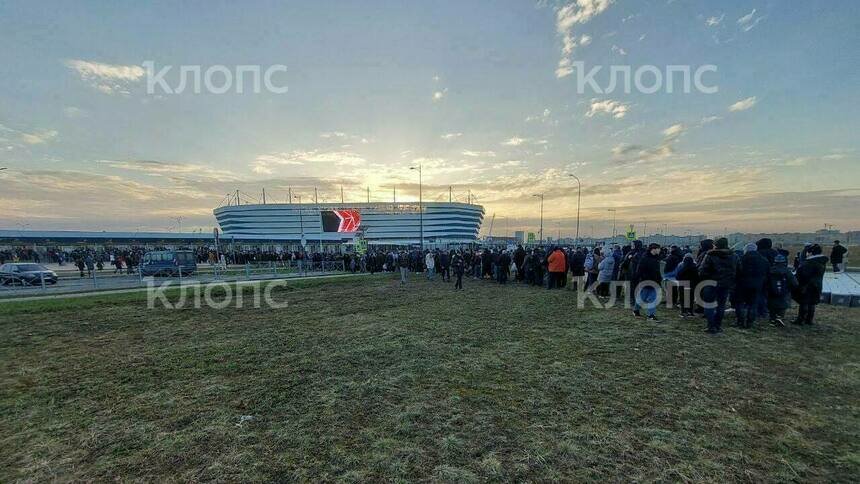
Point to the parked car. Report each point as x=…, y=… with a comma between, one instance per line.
x=26, y=274
x=168, y=263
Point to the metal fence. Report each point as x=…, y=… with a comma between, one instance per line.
x=69, y=281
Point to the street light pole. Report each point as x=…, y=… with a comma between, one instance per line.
x=614, y=233
x=420, y=207
x=540, y=195
x=578, y=200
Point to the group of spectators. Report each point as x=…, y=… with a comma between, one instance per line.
x=756, y=280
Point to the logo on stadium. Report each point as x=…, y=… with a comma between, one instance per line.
x=341, y=220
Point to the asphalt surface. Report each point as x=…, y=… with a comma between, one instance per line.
x=70, y=281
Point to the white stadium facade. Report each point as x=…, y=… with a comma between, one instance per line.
x=377, y=223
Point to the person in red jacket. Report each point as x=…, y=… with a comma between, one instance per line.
x=557, y=266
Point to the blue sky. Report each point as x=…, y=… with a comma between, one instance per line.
x=470, y=89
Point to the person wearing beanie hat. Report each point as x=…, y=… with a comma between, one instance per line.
x=719, y=269
x=752, y=272
x=779, y=286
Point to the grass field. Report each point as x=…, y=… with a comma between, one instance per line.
x=360, y=381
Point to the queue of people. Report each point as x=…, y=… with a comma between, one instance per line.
x=755, y=282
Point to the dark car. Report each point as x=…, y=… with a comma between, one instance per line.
x=26, y=274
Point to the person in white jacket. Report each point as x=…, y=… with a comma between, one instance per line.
x=430, y=264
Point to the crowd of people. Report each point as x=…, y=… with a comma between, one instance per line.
x=755, y=282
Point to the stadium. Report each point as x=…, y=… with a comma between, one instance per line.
x=441, y=223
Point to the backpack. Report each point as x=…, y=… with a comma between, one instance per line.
x=778, y=286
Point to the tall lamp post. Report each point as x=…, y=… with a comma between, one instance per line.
x=540, y=195
x=578, y=200
x=420, y=207
x=614, y=233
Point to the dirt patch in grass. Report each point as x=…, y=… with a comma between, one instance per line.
x=360, y=380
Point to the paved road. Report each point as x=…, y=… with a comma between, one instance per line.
x=42, y=295
x=71, y=282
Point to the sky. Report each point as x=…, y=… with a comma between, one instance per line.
x=481, y=94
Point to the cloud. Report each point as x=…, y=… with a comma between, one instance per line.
x=743, y=104
x=107, y=78
x=265, y=164
x=539, y=117
x=507, y=164
x=514, y=141
x=615, y=109
x=709, y=119
x=171, y=169
x=576, y=12
x=73, y=112
x=673, y=131
x=627, y=153
x=344, y=136
x=17, y=138
x=618, y=50
x=479, y=154
x=749, y=21
x=714, y=21
x=450, y=136
x=38, y=137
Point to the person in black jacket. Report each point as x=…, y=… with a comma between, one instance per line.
x=687, y=275
x=719, y=268
x=444, y=261
x=648, y=279
x=577, y=268
x=458, y=264
x=673, y=259
x=810, y=281
x=752, y=273
x=837, y=256
x=504, y=265
x=780, y=284
x=765, y=248
x=519, y=259
x=629, y=268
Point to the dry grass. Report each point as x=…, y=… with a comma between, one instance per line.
x=358, y=380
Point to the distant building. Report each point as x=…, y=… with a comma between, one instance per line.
x=520, y=236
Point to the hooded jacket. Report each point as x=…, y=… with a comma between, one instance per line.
x=557, y=261
x=687, y=271
x=705, y=246
x=675, y=257
x=781, y=283
x=753, y=271
x=721, y=266
x=606, y=268
x=577, y=264
x=648, y=269
x=765, y=248
x=810, y=279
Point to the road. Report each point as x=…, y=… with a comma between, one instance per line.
x=70, y=280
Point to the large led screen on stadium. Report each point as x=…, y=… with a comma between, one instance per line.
x=340, y=220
